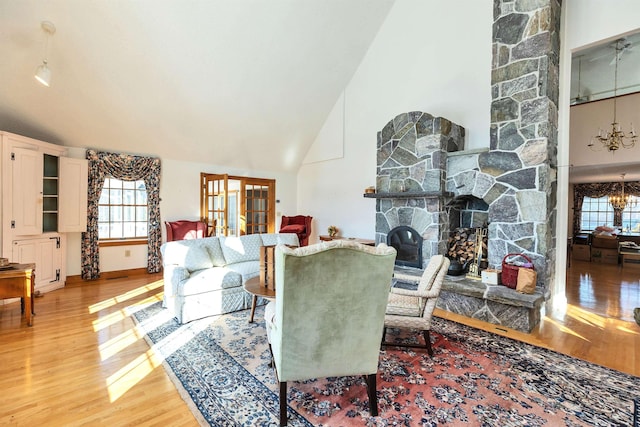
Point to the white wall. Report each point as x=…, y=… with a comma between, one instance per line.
x=586, y=119
x=428, y=56
x=180, y=199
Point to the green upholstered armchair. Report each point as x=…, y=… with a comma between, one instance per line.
x=328, y=315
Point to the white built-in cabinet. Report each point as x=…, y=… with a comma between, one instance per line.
x=44, y=196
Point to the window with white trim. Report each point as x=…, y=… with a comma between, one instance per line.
x=631, y=219
x=595, y=212
x=122, y=210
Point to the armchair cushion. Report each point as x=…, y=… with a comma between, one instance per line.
x=403, y=305
x=293, y=228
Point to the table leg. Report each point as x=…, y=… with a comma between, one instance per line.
x=254, y=300
x=33, y=293
x=28, y=299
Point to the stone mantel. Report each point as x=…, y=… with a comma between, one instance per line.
x=409, y=195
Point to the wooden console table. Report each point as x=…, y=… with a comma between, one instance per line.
x=18, y=281
x=367, y=242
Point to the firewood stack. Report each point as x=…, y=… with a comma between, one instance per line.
x=462, y=245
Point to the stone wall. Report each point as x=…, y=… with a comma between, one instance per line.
x=521, y=163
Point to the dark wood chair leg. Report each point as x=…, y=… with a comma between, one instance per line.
x=427, y=342
x=283, y=403
x=371, y=391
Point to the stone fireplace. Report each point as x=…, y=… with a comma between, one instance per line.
x=427, y=186
x=427, y=181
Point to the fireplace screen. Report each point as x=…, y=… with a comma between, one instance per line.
x=408, y=244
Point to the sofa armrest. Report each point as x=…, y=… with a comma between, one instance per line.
x=173, y=275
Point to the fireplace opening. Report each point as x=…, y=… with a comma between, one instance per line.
x=408, y=244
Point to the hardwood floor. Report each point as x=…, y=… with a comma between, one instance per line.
x=84, y=363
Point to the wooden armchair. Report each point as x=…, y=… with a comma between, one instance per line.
x=412, y=308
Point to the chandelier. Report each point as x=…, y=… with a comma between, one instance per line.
x=621, y=201
x=615, y=138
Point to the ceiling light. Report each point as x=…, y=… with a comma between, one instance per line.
x=621, y=201
x=616, y=138
x=43, y=73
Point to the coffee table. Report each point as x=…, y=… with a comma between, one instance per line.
x=257, y=289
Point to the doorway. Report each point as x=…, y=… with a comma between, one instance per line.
x=235, y=206
x=605, y=88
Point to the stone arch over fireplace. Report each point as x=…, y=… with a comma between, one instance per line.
x=412, y=152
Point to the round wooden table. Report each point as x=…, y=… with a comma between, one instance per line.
x=257, y=289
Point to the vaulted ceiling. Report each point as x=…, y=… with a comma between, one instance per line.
x=243, y=83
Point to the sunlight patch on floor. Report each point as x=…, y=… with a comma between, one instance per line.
x=135, y=371
x=131, y=374
x=117, y=316
x=118, y=343
x=585, y=316
x=564, y=329
x=627, y=330
x=94, y=308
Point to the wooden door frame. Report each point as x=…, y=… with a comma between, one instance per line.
x=242, y=206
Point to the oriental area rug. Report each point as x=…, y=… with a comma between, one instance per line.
x=221, y=366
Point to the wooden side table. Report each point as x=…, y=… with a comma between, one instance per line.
x=368, y=242
x=18, y=281
x=258, y=289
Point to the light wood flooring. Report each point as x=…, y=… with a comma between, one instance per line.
x=84, y=363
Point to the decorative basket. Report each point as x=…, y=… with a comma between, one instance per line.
x=510, y=271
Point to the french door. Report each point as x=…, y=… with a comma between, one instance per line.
x=232, y=205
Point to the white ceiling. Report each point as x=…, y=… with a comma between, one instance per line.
x=593, y=69
x=243, y=83
x=246, y=84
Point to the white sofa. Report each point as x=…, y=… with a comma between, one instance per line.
x=204, y=277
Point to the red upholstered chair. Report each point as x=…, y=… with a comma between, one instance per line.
x=183, y=230
x=299, y=224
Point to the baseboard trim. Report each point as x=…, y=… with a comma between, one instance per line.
x=106, y=275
